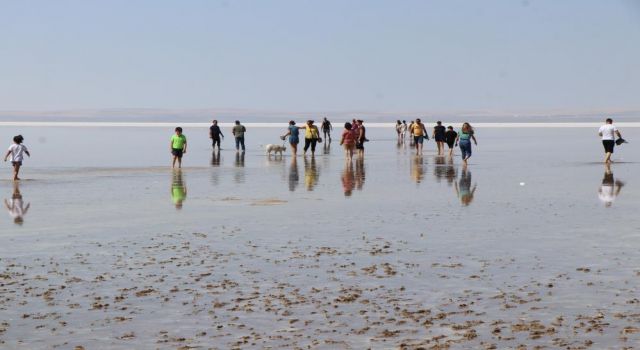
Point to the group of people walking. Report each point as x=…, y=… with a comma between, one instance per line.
x=353, y=139
x=417, y=133
x=353, y=136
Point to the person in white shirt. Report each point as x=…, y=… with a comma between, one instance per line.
x=17, y=151
x=608, y=133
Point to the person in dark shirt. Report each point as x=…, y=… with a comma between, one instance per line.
x=438, y=136
x=450, y=137
x=326, y=129
x=361, y=138
x=215, y=134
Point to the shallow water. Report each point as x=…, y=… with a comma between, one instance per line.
x=511, y=237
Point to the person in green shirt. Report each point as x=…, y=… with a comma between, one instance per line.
x=178, y=146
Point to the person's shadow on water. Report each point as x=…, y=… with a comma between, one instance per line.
x=16, y=206
x=609, y=188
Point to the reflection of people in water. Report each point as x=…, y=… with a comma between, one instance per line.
x=178, y=189
x=240, y=159
x=463, y=187
x=417, y=168
x=359, y=175
x=444, y=169
x=215, y=158
x=610, y=187
x=348, y=179
x=310, y=173
x=239, y=174
x=215, y=162
x=16, y=206
x=294, y=175
x=326, y=148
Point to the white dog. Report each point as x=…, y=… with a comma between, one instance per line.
x=275, y=149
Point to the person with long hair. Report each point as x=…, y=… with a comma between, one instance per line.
x=348, y=141
x=464, y=138
x=361, y=138
x=293, y=132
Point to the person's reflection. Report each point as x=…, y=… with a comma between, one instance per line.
x=326, y=148
x=348, y=178
x=610, y=187
x=310, y=173
x=239, y=174
x=294, y=175
x=178, y=189
x=215, y=158
x=16, y=206
x=444, y=169
x=215, y=162
x=417, y=168
x=463, y=187
x=359, y=175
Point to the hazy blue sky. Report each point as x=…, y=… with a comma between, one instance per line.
x=320, y=55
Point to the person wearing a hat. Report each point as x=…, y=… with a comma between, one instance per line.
x=608, y=133
x=17, y=151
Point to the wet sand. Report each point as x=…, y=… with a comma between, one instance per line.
x=249, y=252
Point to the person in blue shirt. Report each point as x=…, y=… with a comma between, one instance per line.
x=293, y=132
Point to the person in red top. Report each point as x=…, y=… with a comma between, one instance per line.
x=348, y=140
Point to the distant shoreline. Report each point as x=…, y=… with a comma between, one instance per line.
x=284, y=124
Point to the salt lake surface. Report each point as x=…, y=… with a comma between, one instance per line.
x=535, y=243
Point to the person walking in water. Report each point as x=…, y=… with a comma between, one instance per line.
x=215, y=134
x=450, y=137
x=17, y=151
x=464, y=140
x=238, y=131
x=326, y=129
x=361, y=138
x=419, y=133
x=293, y=132
x=399, y=130
x=410, y=129
x=311, y=136
x=178, y=145
x=608, y=134
x=348, y=141
x=439, y=136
